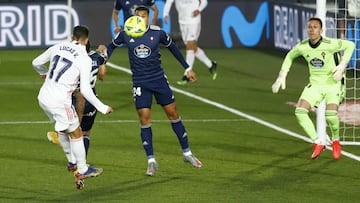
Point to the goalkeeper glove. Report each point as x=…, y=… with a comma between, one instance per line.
x=339, y=70
x=280, y=81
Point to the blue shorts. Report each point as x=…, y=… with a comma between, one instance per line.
x=89, y=115
x=143, y=92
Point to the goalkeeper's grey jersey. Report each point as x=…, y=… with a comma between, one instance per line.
x=322, y=58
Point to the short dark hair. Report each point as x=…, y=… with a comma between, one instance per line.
x=142, y=8
x=88, y=46
x=316, y=19
x=80, y=32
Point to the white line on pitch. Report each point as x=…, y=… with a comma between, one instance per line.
x=129, y=121
x=108, y=82
x=239, y=113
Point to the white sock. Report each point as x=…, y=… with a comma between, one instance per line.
x=151, y=160
x=190, y=57
x=188, y=153
x=65, y=144
x=318, y=141
x=78, y=149
x=200, y=54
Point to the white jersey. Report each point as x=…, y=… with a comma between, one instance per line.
x=354, y=8
x=185, y=9
x=69, y=62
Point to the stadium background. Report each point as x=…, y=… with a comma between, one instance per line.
x=276, y=25
x=265, y=24
x=251, y=145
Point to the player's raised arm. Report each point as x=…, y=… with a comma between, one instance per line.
x=166, y=10
x=285, y=67
x=86, y=91
x=155, y=14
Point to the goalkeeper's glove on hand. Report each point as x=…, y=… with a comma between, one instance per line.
x=280, y=81
x=339, y=70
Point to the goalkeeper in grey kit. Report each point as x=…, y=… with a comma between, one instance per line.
x=325, y=82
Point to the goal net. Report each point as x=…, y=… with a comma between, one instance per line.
x=347, y=19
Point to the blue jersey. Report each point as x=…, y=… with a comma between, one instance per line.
x=97, y=61
x=90, y=111
x=144, y=53
x=129, y=6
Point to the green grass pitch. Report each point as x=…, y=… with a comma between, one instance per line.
x=243, y=160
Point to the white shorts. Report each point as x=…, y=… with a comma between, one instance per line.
x=65, y=118
x=190, y=32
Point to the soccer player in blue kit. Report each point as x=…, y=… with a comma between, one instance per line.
x=98, y=71
x=149, y=79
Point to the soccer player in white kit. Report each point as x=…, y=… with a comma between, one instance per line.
x=189, y=15
x=69, y=62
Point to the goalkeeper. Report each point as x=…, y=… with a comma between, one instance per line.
x=326, y=81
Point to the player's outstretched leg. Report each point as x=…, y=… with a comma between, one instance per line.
x=90, y=173
x=213, y=70
x=184, y=80
x=53, y=137
x=308, y=126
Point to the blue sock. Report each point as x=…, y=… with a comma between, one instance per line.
x=86, y=143
x=146, y=138
x=180, y=132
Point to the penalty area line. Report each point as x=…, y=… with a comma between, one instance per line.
x=239, y=113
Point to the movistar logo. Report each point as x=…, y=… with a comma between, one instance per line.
x=249, y=33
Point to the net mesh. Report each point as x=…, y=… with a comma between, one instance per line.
x=347, y=14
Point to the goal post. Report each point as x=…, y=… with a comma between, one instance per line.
x=347, y=16
x=69, y=19
x=320, y=111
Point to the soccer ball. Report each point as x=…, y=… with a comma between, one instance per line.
x=135, y=26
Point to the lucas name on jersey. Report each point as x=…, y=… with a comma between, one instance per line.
x=69, y=49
